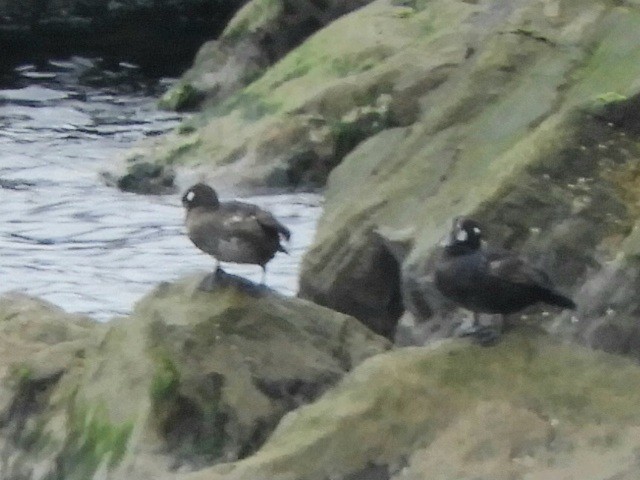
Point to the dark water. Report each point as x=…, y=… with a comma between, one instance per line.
x=86, y=247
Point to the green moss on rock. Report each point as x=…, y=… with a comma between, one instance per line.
x=166, y=380
x=251, y=17
x=93, y=440
x=181, y=98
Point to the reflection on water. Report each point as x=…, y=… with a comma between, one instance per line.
x=86, y=247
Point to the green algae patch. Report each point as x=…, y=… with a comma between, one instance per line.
x=165, y=381
x=612, y=64
x=250, y=106
x=251, y=17
x=180, y=98
x=610, y=97
x=93, y=440
x=20, y=373
x=183, y=150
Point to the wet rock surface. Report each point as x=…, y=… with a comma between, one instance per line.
x=272, y=132
x=547, y=174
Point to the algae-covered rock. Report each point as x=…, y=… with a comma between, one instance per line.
x=221, y=379
x=145, y=177
x=258, y=35
x=40, y=347
x=534, y=132
x=361, y=74
x=184, y=97
x=227, y=364
x=528, y=408
x=522, y=114
x=192, y=378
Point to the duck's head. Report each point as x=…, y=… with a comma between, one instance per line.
x=200, y=195
x=465, y=234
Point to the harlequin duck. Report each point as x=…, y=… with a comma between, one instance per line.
x=486, y=280
x=232, y=231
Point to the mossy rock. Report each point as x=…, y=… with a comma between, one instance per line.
x=330, y=93
x=199, y=374
x=530, y=141
x=528, y=407
x=181, y=98
x=230, y=361
x=253, y=16
x=147, y=178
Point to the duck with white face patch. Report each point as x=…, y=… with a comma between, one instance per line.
x=232, y=231
x=486, y=280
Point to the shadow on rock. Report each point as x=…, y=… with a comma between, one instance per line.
x=221, y=279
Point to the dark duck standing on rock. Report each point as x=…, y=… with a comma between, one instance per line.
x=232, y=231
x=492, y=281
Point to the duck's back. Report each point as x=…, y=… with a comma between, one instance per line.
x=495, y=281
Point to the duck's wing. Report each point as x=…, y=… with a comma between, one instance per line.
x=253, y=215
x=205, y=229
x=512, y=268
x=247, y=218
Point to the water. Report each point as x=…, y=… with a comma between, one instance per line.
x=89, y=248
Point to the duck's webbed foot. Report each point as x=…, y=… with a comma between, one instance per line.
x=483, y=335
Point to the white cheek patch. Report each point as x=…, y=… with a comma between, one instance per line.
x=476, y=230
x=462, y=236
x=190, y=196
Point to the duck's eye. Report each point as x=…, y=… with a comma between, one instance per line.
x=190, y=196
x=462, y=236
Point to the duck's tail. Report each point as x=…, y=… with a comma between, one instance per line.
x=285, y=235
x=559, y=300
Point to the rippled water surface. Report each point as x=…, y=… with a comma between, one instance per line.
x=89, y=248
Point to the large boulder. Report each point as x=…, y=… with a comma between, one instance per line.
x=528, y=122
x=527, y=408
x=40, y=347
x=197, y=375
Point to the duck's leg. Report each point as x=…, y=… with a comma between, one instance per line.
x=263, y=278
x=471, y=330
x=210, y=281
x=218, y=274
x=488, y=335
x=481, y=334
